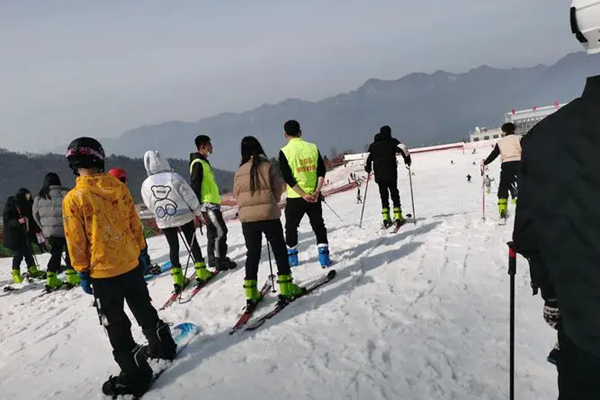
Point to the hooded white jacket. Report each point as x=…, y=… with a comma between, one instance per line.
x=167, y=194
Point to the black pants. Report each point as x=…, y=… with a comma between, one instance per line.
x=216, y=235
x=111, y=294
x=172, y=235
x=508, y=179
x=273, y=231
x=58, y=246
x=387, y=189
x=295, y=209
x=578, y=372
x=23, y=251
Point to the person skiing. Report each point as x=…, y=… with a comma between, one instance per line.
x=175, y=207
x=488, y=184
x=469, y=177
x=257, y=189
x=382, y=160
x=104, y=238
x=556, y=222
x=303, y=169
x=47, y=213
x=145, y=260
x=509, y=148
x=205, y=186
x=358, y=196
x=16, y=239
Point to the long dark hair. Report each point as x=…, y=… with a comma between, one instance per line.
x=251, y=149
x=51, y=179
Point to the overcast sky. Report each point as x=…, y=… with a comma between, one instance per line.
x=75, y=67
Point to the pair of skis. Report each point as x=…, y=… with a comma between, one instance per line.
x=178, y=295
x=247, y=325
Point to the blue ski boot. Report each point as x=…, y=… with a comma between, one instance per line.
x=324, y=255
x=293, y=257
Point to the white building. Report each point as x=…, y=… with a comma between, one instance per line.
x=481, y=134
x=524, y=120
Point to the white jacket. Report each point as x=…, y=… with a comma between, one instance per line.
x=167, y=194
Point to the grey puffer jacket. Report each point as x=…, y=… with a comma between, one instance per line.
x=48, y=212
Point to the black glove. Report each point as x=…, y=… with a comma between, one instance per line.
x=551, y=313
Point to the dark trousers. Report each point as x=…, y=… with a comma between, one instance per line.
x=578, y=372
x=111, y=294
x=58, y=246
x=273, y=231
x=20, y=253
x=295, y=209
x=387, y=189
x=172, y=236
x=508, y=179
x=216, y=235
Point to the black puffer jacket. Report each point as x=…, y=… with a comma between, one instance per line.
x=15, y=235
x=558, y=214
x=26, y=209
x=382, y=157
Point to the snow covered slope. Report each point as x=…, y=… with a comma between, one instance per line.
x=422, y=314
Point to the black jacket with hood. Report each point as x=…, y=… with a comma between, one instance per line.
x=382, y=157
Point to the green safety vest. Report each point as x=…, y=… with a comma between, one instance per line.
x=210, y=190
x=303, y=158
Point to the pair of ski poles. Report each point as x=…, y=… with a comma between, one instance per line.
x=412, y=198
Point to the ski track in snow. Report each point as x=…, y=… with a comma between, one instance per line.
x=421, y=314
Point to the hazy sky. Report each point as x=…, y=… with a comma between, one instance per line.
x=75, y=67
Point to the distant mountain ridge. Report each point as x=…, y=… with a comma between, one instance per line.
x=423, y=109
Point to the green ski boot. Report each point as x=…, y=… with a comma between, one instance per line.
x=387, y=220
x=287, y=289
x=251, y=290
x=72, y=277
x=16, y=276
x=36, y=273
x=179, y=281
x=52, y=281
x=202, y=274
x=503, y=207
x=398, y=217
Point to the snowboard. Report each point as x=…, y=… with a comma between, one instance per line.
x=163, y=268
x=183, y=334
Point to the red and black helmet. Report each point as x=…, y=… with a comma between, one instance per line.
x=85, y=152
x=120, y=174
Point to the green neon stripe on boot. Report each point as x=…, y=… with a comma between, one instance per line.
x=251, y=290
x=16, y=276
x=178, y=277
x=72, y=277
x=202, y=274
x=52, y=281
x=398, y=214
x=287, y=288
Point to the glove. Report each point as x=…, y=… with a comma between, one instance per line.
x=551, y=313
x=86, y=282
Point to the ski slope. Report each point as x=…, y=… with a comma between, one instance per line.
x=422, y=314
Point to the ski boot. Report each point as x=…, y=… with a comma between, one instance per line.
x=225, y=264
x=514, y=200
x=202, y=274
x=252, y=293
x=503, y=208
x=135, y=376
x=324, y=255
x=52, y=282
x=554, y=355
x=72, y=277
x=387, y=220
x=293, y=256
x=36, y=273
x=161, y=345
x=288, y=291
x=179, y=281
x=16, y=276
x=398, y=218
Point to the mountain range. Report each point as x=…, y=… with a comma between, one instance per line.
x=422, y=109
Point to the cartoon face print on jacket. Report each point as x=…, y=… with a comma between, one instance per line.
x=163, y=206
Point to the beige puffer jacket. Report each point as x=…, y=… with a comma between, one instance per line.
x=510, y=148
x=261, y=206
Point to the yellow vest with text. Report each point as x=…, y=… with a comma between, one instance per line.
x=210, y=190
x=302, y=158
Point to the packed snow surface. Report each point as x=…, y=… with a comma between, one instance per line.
x=422, y=314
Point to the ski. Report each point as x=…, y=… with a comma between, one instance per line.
x=176, y=295
x=183, y=335
x=283, y=303
x=198, y=288
x=47, y=290
x=249, y=310
x=156, y=270
x=397, y=227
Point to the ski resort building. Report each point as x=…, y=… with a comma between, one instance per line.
x=482, y=134
x=527, y=119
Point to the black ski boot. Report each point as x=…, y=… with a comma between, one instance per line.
x=225, y=264
x=135, y=376
x=160, y=342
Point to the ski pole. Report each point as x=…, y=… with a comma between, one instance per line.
x=412, y=197
x=190, y=256
x=362, y=213
x=336, y=214
x=512, y=270
x=272, y=276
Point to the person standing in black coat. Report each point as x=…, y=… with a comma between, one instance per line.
x=557, y=223
x=382, y=160
x=16, y=239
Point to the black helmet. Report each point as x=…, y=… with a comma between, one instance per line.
x=85, y=152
